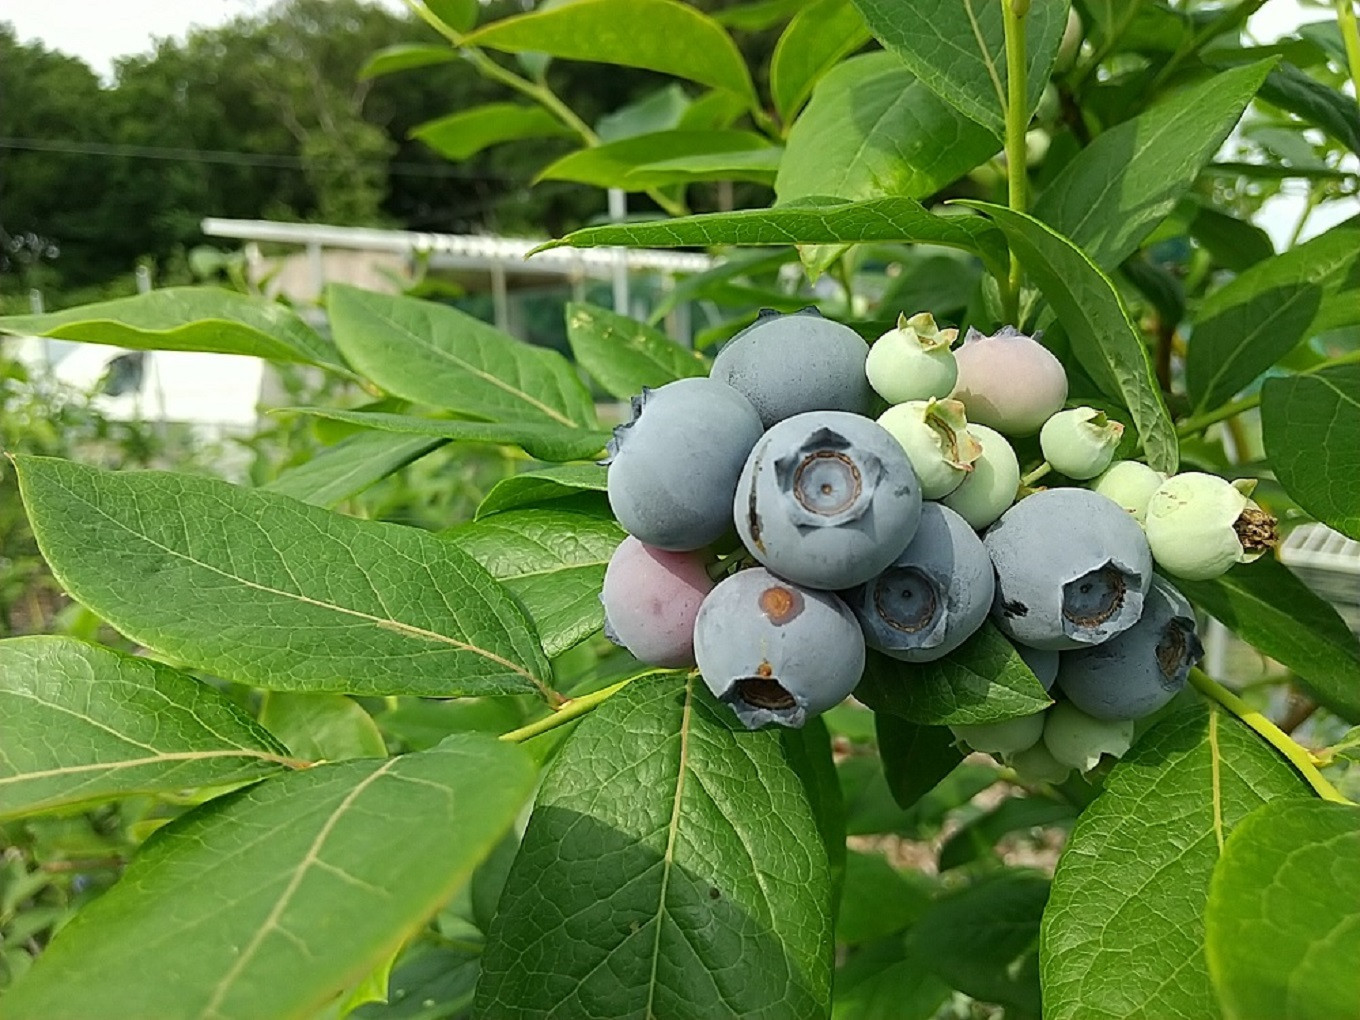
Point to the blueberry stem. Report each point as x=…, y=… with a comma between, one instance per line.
x=1200, y=422
x=1297, y=755
x=1017, y=120
x=1036, y=474
x=573, y=708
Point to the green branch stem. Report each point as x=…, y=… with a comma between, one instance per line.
x=1017, y=121
x=1200, y=422
x=1297, y=755
x=573, y=708
x=1039, y=472
x=1350, y=33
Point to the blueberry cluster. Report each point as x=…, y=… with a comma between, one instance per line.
x=777, y=530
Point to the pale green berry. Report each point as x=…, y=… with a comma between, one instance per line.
x=1200, y=525
x=913, y=361
x=1077, y=740
x=990, y=487
x=935, y=435
x=1037, y=765
x=1006, y=737
x=1080, y=443
x=1130, y=484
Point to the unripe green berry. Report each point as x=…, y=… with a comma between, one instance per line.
x=1078, y=740
x=1199, y=525
x=990, y=487
x=1080, y=443
x=913, y=361
x=1037, y=765
x=935, y=435
x=1009, y=736
x=1130, y=484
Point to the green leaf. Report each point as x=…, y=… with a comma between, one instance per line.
x=1284, y=914
x=1235, y=243
x=350, y=466
x=915, y=757
x=622, y=164
x=872, y=130
x=1336, y=114
x=717, y=900
x=1309, y=423
x=553, y=561
x=977, y=839
x=543, y=485
x=1103, y=337
x=624, y=355
x=659, y=35
x=825, y=221
x=658, y=111
x=758, y=165
x=417, y=724
x=881, y=982
x=467, y=132
x=815, y=40
x=404, y=57
x=437, y=355
x=957, y=48
x=878, y=899
x=1123, y=935
x=185, y=319
x=274, y=593
x=269, y=901
x=322, y=727
x=985, y=680
x=459, y=15
x=1128, y=180
x=1266, y=604
x=429, y=983
x=1247, y=325
x=80, y=723
x=810, y=755
x=544, y=440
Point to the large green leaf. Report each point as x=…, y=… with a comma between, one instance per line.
x=878, y=900
x=467, y=132
x=185, y=319
x=80, y=723
x=351, y=466
x=543, y=485
x=882, y=981
x=1128, y=180
x=660, y=35
x=915, y=757
x=816, y=38
x=322, y=727
x=275, y=593
x=983, y=681
x=1123, y=935
x=624, y=355
x=957, y=47
x=1265, y=604
x=1310, y=423
x=825, y=221
x=625, y=163
x=672, y=867
x=1247, y=325
x=437, y=355
x=405, y=57
x=545, y=440
x=872, y=130
x=1103, y=337
x=551, y=560
x=271, y=901
x=1284, y=914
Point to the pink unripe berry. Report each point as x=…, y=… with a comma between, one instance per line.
x=651, y=598
x=1009, y=381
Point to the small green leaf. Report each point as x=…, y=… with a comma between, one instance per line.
x=270, y=901
x=186, y=319
x=80, y=724
x=816, y=39
x=620, y=164
x=624, y=355
x=718, y=898
x=430, y=982
x=881, y=981
x=543, y=485
x=553, y=561
x=872, y=130
x=915, y=757
x=1310, y=423
x=350, y=466
x=322, y=727
x=661, y=110
x=757, y=165
x=1103, y=337
x=983, y=681
x=437, y=355
x=1128, y=180
x=977, y=839
x=1247, y=325
x=545, y=440
x=459, y=15
x=465, y=133
x=1335, y=113
x=1284, y=914
x=1234, y=243
x=274, y=593
x=659, y=35
x=1123, y=935
x=823, y=221
x=1266, y=604
x=878, y=899
x=405, y=57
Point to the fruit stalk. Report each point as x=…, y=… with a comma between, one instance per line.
x=1016, y=122
x=574, y=708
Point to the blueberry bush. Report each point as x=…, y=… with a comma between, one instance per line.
x=1012, y=395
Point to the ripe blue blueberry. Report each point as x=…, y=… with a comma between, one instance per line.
x=827, y=499
x=933, y=597
x=651, y=598
x=1042, y=662
x=1137, y=672
x=1072, y=568
x=777, y=652
x=674, y=467
x=788, y=364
